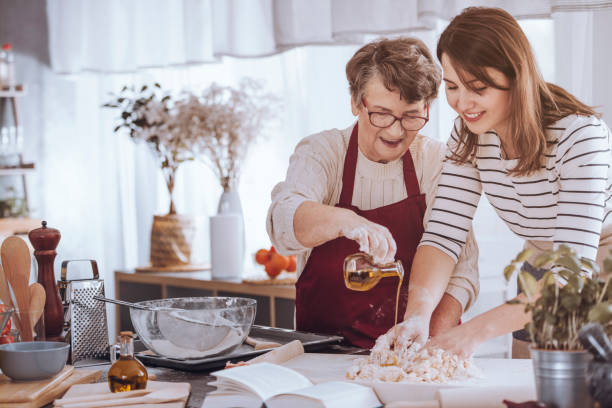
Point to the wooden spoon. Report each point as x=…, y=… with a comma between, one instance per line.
x=5, y=296
x=37, y=302
x=15, y=256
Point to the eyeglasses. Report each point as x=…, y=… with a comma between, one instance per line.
x=385, y=120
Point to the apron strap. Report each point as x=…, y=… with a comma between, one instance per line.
x=350, y=165
x=410, y=177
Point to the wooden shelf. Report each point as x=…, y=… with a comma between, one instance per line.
x=16, y=171
x=11, y=226
x=19, y=90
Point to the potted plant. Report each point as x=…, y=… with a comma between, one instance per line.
x=216, y=126
x=151, y=116
x=569, y=295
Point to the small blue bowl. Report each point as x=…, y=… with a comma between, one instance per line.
x=33, y=360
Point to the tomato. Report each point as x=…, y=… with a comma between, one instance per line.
x=262, y=256
x=6, y=328
x=6, y=339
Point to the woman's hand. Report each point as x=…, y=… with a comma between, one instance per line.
x=461, y=340
x=414, y=330
x=373, y=239
x=315, y=224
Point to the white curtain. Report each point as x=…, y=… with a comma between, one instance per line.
x=99, y=186
x=120, y=35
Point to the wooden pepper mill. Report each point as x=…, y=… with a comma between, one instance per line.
x=45, y=240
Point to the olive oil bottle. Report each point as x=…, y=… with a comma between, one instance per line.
x=126, y=373
x=361, y=273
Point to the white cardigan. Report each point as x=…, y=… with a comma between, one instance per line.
x=315, y=174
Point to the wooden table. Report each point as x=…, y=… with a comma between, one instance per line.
x=275, y=303
x=200, y=380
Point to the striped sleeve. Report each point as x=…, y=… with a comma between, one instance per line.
x=455, y=203
x=582, y=160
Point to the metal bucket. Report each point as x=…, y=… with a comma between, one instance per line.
x=560, y=378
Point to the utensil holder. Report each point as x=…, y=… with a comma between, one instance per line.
x=84, y=317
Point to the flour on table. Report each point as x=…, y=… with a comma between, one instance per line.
x=412, y=364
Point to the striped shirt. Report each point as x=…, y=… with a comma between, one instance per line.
x=566, y=202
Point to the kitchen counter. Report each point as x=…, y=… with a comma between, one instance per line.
x=199, y=380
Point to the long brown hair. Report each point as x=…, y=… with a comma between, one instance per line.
x=482, y=37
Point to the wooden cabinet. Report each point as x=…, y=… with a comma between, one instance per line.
x=275, y=303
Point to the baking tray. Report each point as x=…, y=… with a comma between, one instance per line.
x=310, y=341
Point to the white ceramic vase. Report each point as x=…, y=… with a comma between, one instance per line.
x=227, y=239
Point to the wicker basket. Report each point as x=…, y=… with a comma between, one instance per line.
x=172, y=239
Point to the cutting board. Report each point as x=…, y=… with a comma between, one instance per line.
x=34, y=394
x=102, y=388
x=498, y=373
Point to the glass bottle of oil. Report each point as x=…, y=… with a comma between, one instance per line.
x=361, y=273
x=126, y=373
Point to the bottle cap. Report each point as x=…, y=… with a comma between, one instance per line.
x=126, y=333
x=6, y=46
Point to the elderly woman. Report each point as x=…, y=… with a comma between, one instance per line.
x=368, y=187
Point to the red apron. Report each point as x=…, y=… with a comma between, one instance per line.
x=323, y=303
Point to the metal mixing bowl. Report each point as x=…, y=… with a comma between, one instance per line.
x=196, y=327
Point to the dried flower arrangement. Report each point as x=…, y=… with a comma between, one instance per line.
x=568, y=297
x=227, y=121
x=216, y=126
x=149, y=116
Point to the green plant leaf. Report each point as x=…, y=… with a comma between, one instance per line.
x=570, y=301
x=549, y=279
x=523, y=255
x=543, y=259
x=590, y=265
x=509, y=271
x=528, y=283
x=570, y=262
x=601, y=313
x=576, y=282
x=565, y=274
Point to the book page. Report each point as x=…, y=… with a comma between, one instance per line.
x=329, y=394
x=263, y=379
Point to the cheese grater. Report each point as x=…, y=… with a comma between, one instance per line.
x=84, y=317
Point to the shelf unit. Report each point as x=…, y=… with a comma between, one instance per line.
x=22, y=169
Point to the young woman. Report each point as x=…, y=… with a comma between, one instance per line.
x=540, y=155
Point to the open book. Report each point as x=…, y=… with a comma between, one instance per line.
x=277, y=386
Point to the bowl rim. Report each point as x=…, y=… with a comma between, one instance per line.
x=60, y=346
x=249, y=302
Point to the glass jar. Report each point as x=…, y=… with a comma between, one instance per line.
x=126, y=373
